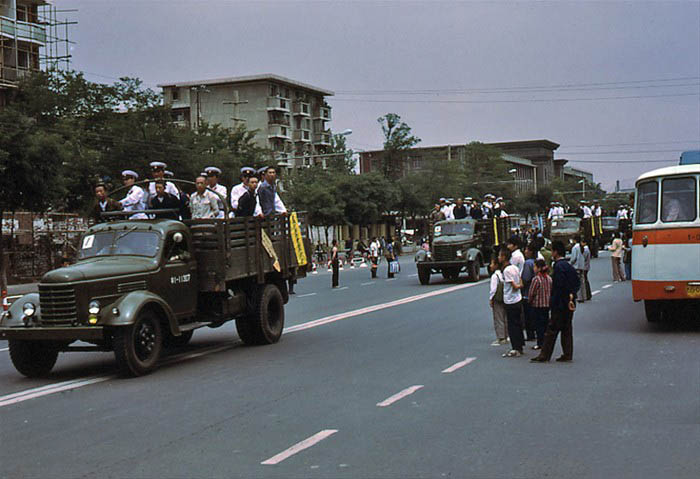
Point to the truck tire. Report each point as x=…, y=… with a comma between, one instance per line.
x=170, y=341
x=137, y=347
x=653, y=310
x=264, y=323
x=473, y=269
x=424, y=275
x=33, y=358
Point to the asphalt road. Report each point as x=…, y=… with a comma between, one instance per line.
x=379, y=378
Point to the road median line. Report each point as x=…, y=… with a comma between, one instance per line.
x=300, y=446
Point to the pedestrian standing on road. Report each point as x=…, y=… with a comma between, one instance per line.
x=627, y=255
x=585, y=285
x=579, y=264
x=516, y=256
x=539, y=297
x=512, y=298
x=374, y=256
x=616, y=257
x=390, y=256
x=565, y=285
x=496, y=301
x=527, y=276
x=335, y=263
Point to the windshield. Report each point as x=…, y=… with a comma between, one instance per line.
x=454, y=229
x=678, y=199
x=126, y=242
x=565, y=224
x=647, y=202
x=610, y=223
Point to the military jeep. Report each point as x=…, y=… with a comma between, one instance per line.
x=464, y=245
x=140, y=286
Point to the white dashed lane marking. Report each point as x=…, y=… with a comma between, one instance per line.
x=300, y=446
x=399, y=395
x=458, y=365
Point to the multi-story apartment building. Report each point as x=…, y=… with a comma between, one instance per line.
x=21, y=37
x=290, y=118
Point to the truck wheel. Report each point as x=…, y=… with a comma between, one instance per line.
x=264, y=324
x=653, y=310
x=424, y=275
x=473, y=270
x=33, y=358
x=170, y=341
x=137, y=347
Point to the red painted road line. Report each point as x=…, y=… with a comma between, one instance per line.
x=300, y=446
x=458, y=365
x=399, y=395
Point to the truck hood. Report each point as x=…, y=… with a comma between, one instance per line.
x=99, y=268
x=452, y=239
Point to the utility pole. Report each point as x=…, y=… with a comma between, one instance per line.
x=198, y=89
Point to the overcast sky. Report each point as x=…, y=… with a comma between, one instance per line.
x=626, y=74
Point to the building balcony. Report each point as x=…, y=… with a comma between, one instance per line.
x=277, y=104
x=279, y=131
x=279, y=120
x=323, y=113
x=302, y=135
x=24, y=31
x=302, y=109
x=322, y=138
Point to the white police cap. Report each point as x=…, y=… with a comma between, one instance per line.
x=131, y=173
x=213, y=170
x=157, y=164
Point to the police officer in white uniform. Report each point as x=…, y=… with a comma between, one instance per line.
x=158, y=173
x=213, y=174
x=136, y=198
x=240, y=189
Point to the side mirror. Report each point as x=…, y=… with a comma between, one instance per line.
x=178, y=237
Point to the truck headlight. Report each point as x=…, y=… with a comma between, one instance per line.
x=29, y=309
x=428, y=254
x=459, y=253
x=94, y=307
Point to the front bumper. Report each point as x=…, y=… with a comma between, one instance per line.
x=438, y=265
x=81, y=333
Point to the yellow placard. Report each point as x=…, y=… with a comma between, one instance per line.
x=267, y=244
x=297, y=240
x=495, y=231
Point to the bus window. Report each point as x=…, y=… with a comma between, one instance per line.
x=647, y=202
x=678, y=199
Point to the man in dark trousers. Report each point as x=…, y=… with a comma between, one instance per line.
x=104, y=204
x=164, y=201
x=565, y=285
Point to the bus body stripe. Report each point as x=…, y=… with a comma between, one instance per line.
x=657, y=290
x=668, y=236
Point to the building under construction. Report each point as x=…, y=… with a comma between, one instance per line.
x=31, y=38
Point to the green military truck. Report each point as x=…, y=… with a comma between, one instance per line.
x=140, y=286
x=566, y=228
x=464, y=245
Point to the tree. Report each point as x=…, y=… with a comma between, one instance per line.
x=486, y=171
x=397, y=139
x=344, y=162
x=366, y=197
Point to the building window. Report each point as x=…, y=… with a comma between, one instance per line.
x=176, y=94
x=22, y=13
x=273, y=90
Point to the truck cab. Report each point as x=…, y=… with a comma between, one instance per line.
x=458, y=246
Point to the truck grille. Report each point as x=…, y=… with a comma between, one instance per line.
x=57, y=304
x=446, y=253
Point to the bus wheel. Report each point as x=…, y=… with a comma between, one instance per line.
x=653, y=310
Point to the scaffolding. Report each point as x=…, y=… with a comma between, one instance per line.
x=32, y=38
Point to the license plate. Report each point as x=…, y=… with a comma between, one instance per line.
x=693, y=290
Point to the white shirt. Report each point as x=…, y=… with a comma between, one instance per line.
x=511, y=275
x=135, y=200
x=279, y=205
x=496, y=277
x=586, y=212
x=622, y=214
x=205, y=205
x=504, y=214
x=223, y=191
x=447, y=211
x=517, y=259
x=597, y=211
x=374, y=249
x=560, y=211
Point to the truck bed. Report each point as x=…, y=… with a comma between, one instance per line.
x=232, y=249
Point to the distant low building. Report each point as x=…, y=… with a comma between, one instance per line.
x=291, y=118
x=577, y=174
x=533, y=160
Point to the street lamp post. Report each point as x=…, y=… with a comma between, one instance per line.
x=583, y=187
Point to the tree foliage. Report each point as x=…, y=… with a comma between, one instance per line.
x=398, y=138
